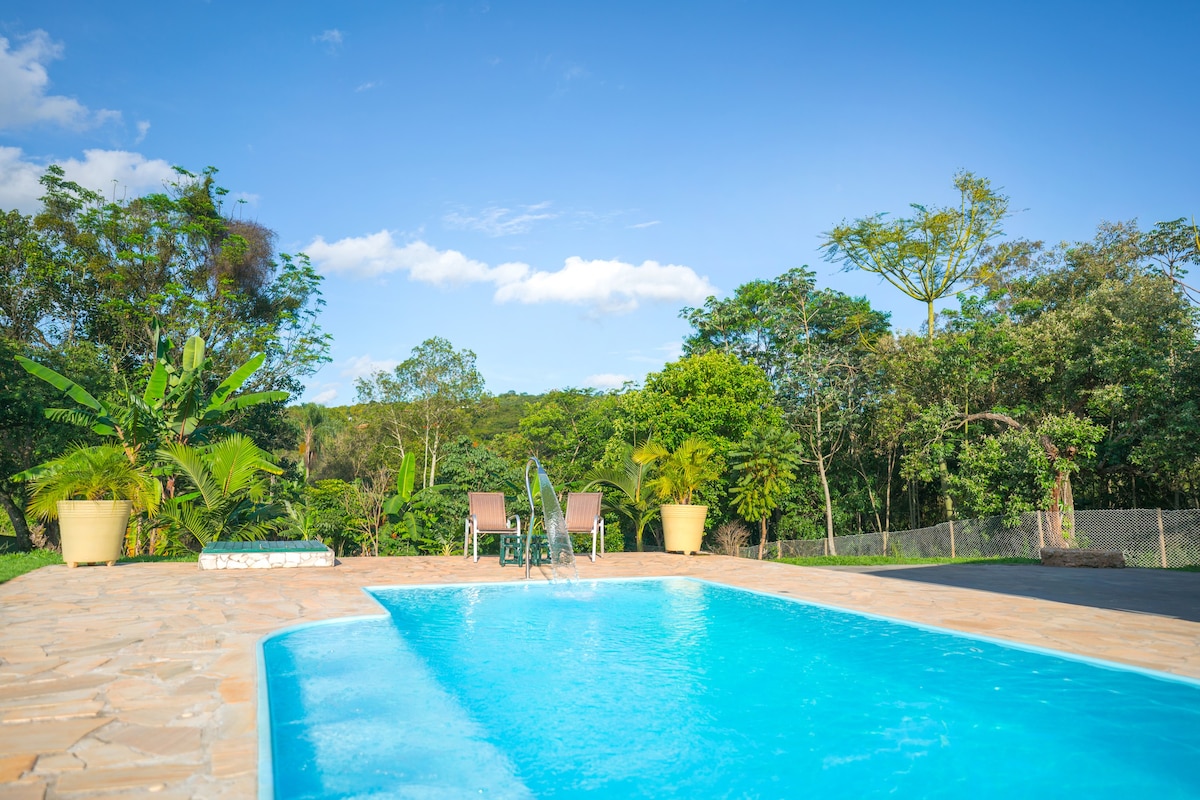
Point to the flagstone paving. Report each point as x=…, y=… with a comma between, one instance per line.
x=140, y=680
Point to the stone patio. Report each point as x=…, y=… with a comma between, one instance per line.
x=140, y=678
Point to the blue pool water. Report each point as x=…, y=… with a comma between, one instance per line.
x=680, y=688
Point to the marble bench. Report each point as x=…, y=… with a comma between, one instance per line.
x=265, y=555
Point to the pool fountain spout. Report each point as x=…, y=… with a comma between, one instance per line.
x=562, y=554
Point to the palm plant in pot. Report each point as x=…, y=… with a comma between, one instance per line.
x=681, y=473
x=92, y=491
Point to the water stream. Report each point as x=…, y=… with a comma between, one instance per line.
x=562, y=553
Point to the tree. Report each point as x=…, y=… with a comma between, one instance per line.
x=766, y=462
x=315, y=424
x=176, y=257
x=710, y=396
x=1064, y=440
x=633, y=501
x=567, y=431
x=1173, y=245
x=437, y=386
x=928, y=255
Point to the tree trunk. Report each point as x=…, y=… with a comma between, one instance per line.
x=944, y=484
x=17, y=518
x=828, y=505
x=762, y=538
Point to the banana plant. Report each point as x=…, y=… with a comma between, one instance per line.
x=402, y=507
x=172, y=407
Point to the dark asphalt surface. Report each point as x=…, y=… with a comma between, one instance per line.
x=1144, y=591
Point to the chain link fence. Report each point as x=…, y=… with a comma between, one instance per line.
x=1148, y=537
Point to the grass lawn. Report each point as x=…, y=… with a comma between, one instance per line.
x=13, y=563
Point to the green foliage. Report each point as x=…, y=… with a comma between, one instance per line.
x=567, y=430
x=428, y=399
x=92, y=473
x=632, y=499
x=682, y=472
x=228, y=498
x=929, y=254
x=106, y=270
x=174, y=406
x=765, y=462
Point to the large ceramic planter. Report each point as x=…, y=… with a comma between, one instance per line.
x=93, y=530
x=683, y=528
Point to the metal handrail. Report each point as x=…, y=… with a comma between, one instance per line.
x=532, y=514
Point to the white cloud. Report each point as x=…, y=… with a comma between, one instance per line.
x=607, y=380
x=332, y=38
x=24, y=82
x=650, y=224
x=364, y=366
x=378, y=254
x=496, y=221
x=143, y=128
x=362, y=87
x=612, y=286
x=134, y=173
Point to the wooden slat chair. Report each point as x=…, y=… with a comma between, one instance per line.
x=487, y=515
x=583, y=516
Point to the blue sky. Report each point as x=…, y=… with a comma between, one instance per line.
x=547, y=184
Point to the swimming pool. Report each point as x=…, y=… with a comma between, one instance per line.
x=682, y=688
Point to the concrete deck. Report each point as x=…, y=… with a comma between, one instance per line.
x=137, y=679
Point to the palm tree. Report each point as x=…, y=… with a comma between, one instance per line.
x=633, y=500
x=681, y=472
x=767, y=460
x=314, y=425
x=229, y=500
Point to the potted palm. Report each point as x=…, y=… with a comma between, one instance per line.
x=681, y=473
x=92, y=491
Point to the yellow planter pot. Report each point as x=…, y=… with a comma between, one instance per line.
x=93, y=530
x=683, y=528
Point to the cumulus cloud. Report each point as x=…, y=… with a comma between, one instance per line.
x=24, y=82
x=612, y=286
x=607, y=380
x=143, y=128
x=133, y=172
x=496, y=221
x=378, y=254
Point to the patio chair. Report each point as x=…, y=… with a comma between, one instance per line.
x=583, y=516
x=486, y=514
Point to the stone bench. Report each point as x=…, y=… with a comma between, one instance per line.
x=1075, y=557
x=265, y=555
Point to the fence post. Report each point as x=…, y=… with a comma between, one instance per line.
x=952, y=537
x=1041, y=536
x=1162, y=541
